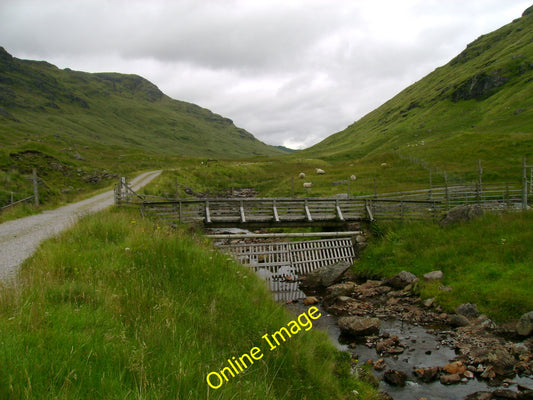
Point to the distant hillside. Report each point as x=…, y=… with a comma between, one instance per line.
x=478, y=106
x=41, y=103
x=80, y=130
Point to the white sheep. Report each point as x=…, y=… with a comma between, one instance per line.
x=384, y=164
x=320, y=171
x=302, y=175
x=308, y=185
x=353, y=178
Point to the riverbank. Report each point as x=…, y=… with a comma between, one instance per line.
x=417, y=349
x=119, y=308
x=487, y=261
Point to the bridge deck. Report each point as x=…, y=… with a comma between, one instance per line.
x=285, y=211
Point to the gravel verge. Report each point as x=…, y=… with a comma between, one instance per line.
x=20, y=238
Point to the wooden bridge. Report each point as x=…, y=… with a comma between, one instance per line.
x=271, y=212
x=428, y=204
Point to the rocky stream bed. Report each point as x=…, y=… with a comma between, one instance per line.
x=413, y=348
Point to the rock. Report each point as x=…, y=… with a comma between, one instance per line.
x=469, y=310
x=395, y=378
x=450, y=379
x=456, y=320
x=456, y=367
x=341, y=289
x=384, y=396
x=524, y=327
x=380, y=365
x=479, y=396
x=401, y=280
x=468, y=375
x=443, y=288
x=309, y=300
x=359, y=326
x=427, y=375
x=461, y=213
x=433, y=276
x=501, y=360
x=78, y=156
x=504, y=394
x=488, y=373
x=360, y=239
x=428, y=302
x=325, y=276
x=390, y=345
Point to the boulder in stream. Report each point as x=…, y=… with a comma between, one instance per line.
x=469, y=310
x=395, y=378
x=401, y=280
x=359, y=326
x=325, y=276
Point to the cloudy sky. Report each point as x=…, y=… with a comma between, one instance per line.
x=291, y=72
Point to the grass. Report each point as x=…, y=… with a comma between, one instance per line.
x=486, y=261
x=122, y=308
x=109, y=114
x=449, y=119
x=279, y=177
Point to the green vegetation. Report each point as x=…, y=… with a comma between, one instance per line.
x=80, y=130
x=487, y=261
x=121, y=308
x=279, y=177
x=478, y=106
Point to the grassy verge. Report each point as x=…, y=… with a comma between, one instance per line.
x=121, y=308
x=487, y=261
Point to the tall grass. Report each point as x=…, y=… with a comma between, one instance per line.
x=486, y=261
x=121, y=308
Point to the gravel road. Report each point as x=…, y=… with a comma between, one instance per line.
x=20, y=238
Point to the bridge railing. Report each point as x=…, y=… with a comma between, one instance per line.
x=279, y=210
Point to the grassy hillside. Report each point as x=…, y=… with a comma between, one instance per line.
x=486, y=261
x=109, y=111
x=80, y=129
x=122, y=308
x=478, y=106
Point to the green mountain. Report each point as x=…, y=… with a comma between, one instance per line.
x=79, y=129
x=479, y=106
x=42, y=103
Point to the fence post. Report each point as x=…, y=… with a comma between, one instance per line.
x=401, y=208
x=430, y=185
x=35, y=186
x=524, y=184
x=447, y=193
x=479, y=188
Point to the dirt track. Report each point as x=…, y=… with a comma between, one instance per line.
x=20, y=238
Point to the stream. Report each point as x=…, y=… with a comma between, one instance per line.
x=424, y=347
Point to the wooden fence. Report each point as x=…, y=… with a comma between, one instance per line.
x=14, y=203
x=427, y=204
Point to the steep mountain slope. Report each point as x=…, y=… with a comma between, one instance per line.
x=81, y=130
x=478, y=106
x=41, y=103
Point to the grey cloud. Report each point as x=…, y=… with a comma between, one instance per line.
x=287, y=71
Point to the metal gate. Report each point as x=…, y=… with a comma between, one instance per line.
x=299, y=257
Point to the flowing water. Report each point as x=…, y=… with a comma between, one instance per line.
x=426, y=347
